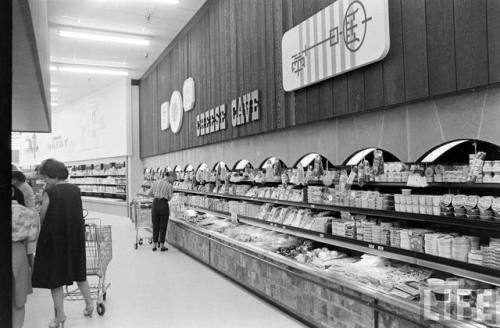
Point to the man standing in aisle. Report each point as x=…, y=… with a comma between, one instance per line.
x=161, y=190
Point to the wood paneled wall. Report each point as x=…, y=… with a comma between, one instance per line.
x=232, y=47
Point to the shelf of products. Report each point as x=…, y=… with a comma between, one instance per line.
x=492, y=226
x=100, y=180
x=104, y=194
x=386, y=279
x=460, y=268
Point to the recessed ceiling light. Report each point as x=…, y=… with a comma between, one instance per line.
x=52, y=89
x=54, y=104
x=104, y=37
x=90, y=70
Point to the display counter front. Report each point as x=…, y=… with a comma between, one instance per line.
x=311, y=295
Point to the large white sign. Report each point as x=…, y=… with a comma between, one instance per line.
x=188, y=94
x=176, y=111
x=164, y=112
x=344, y=36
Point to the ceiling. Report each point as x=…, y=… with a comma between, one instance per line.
x=157, y=20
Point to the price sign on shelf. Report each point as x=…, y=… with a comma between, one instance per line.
x=234, y=217
x=371, y=246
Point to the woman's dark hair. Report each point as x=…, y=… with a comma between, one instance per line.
x=18, y=195
x=19, y=176
x=54, y=169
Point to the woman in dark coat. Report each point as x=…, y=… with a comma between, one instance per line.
x=60, y=256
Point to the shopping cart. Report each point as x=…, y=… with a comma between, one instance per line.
x=99, y=251
x=141, y=216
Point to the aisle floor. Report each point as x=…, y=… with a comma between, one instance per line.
x=161, y=289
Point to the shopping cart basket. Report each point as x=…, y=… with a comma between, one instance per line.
x=141, y=216
x=99, y=251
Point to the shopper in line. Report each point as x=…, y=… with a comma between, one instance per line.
x=19, y=180
x=161, y=190
x=25, y=228
x=60, y=257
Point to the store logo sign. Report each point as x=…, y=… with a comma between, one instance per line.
x=211, y=121
x=342, y=37
x=245, y=109
x=443, y=304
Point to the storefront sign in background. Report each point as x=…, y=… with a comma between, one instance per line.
x=91, y=127
x=342, y=37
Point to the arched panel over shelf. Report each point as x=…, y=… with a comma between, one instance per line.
x=308, y=160
x=458, y=151
x=219, y=163
x=367, y=153
x=270, y=161
x=241, y=164
x=189, y=168
x=201, y=167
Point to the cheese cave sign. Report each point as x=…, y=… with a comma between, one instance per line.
x=244, y=109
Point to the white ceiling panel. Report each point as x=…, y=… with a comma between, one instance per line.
x=156, y=20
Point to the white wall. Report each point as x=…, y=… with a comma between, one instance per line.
x=89, y=128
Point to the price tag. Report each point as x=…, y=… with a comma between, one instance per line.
x=322, y=235
x=313, y=206
x=380, y=248
x=284, y=227
x=371, y=246
x=234, y=217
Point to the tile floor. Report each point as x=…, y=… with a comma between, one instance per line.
x=154, y=290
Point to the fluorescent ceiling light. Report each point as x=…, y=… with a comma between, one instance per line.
x=104, y=37
x=52, y=89
x=90, y=70
x=54, y=104
x=53, y=68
